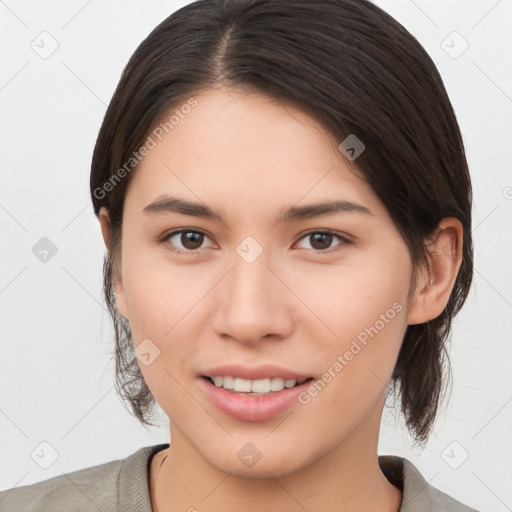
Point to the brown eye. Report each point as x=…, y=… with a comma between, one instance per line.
x=321, y=241
x=185, y=240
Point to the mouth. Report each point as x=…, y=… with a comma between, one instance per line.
x=259, y=387
x=244, y=404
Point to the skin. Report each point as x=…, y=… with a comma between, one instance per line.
x=249, y=158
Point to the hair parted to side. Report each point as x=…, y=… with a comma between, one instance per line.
x=354, y=69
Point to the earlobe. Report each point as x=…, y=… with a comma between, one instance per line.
x=117, y=284
x=434, y=288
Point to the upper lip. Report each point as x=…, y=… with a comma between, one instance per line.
x=261, y=371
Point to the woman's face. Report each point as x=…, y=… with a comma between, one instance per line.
x=249, y=288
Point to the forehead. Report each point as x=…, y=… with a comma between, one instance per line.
x=249, y=147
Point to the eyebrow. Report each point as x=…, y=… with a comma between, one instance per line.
x=169, y=204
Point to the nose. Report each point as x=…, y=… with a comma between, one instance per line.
x=254, y=302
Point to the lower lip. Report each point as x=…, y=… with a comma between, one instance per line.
x=251, y=407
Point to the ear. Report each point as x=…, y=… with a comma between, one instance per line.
x=434, y=288
x=106, y=231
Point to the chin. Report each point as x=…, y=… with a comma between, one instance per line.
x=249, y=461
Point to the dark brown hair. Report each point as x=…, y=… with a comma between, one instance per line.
x=354, y=69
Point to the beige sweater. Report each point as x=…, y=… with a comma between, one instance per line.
x=123, y=486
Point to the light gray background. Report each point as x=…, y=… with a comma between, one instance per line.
x=56, y=372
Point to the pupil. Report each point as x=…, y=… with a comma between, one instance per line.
x=190, y=240
x=322, y=238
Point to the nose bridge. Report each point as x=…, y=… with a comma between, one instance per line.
x=250, y=262
x=251, y=284
x=254, y=301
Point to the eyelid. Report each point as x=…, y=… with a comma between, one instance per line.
x=345, y=239
x=165, y=238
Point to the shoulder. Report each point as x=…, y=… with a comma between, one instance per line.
x=107, y=487
x=78, y=490
x=417, y=494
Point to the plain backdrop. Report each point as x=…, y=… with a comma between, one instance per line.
x=56, y=367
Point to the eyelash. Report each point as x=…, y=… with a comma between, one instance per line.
x=344, y=240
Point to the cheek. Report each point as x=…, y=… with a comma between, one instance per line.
x=161, y=323
x=364, y=307
x=356, y=364
x=164, y=306
x=154, y=289
x=351, y=297
x=368, y=332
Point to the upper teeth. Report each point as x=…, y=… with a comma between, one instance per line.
x=254, y=386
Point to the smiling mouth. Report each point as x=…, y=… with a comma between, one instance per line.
x=258, y=387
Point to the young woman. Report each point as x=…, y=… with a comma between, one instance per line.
x=284, y=196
